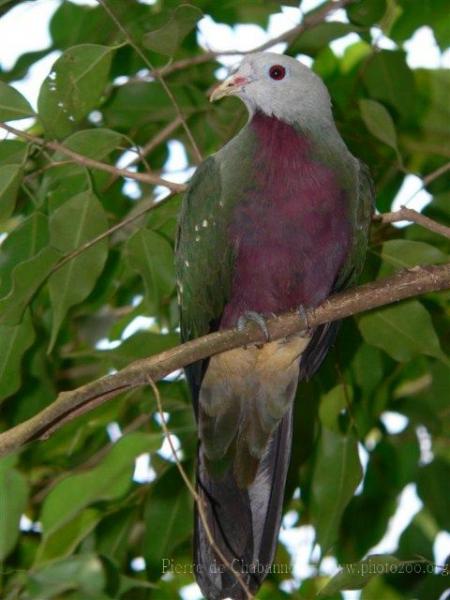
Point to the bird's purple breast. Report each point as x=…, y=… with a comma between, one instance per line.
x=290, y=229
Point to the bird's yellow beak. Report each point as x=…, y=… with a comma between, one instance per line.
x=228, y=87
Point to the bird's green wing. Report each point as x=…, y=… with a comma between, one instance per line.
x=203, y=253
x=364, y=214
x=363, y=208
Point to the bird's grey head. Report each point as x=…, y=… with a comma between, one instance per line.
x=278, y=85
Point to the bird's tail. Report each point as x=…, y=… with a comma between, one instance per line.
x=244, y=523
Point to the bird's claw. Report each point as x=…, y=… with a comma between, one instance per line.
x=252, y=316
x=304, y=316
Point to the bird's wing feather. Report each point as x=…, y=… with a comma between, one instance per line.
x=203, y=261
x=364, y=209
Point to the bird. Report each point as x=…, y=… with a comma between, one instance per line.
x=275, y=221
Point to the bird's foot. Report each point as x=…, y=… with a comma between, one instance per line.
x=251, y=316
x=302, y=313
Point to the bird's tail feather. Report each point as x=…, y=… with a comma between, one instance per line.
x=244, y=523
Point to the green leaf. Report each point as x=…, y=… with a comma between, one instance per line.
x=433, y=488
x=22, y=244
x=24, y=63
x=434, y=122
x=378, y=588
x=71, y=179
x=13, y=501
x=93, y=143
x=413, y=15
x=403, y=331
x=389, y=79
x=337, y=473
x=27, y=277
x=152, y=256
x=139, y=104
x=14, y=341
x=84, y=573
x=6, y=5
x=167, y=39
x=352, y=57
x=315, y=39
x=403, y=254
x=109, y=480
x=77, y=221
x=354, y=576
x=368, y=368
x=72, y=24
x=12, y=152
x=63, y=541
x=379, y=122
x=366, y=12
x=73, y=87
x=9, y=186
x=130, y=583
x=332, y=404
x=166, y=520
x=113, y=532
x=417, y=539
x=140, y=345
x=12, y=104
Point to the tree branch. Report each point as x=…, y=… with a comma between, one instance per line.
x=95, y=164
x=69, y=404
x=408, y=214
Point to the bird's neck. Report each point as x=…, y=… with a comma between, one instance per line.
x=278, y=137
x=296, y=144
x=300, y=136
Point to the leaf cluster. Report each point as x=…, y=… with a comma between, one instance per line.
x=67, y=322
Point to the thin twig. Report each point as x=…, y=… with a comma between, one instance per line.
x=408, y=214
x=404, y=284
x=197, y=499
x=137, y=49
x=95, y=164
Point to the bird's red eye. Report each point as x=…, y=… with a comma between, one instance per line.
x=277, y=71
